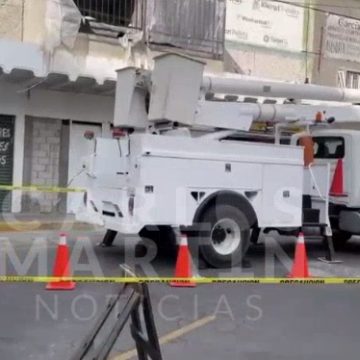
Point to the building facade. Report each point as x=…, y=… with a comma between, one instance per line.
x=336, y=45
x=257, y=43
x=302, y=41
x=58, y=62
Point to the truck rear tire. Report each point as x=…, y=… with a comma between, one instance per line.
x=224, y=236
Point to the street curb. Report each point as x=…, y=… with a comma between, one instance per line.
x=29, y=226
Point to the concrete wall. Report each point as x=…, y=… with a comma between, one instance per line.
x=41, y=167
x=325, y=69
x=267, y=63
x=34, y=21
x=11, y=19
x=23, y=20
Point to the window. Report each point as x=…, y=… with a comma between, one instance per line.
x=329, y=147
x=353, y=80
x=118, y=13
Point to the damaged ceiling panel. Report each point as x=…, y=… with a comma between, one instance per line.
x=62, y=22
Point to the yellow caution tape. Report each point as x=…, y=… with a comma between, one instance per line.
x=39, y=188
x=198, y=280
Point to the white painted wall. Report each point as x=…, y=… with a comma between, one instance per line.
x=48, y=104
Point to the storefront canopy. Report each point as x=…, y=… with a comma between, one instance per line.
x=25, y=65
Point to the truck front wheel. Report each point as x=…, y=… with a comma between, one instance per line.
x=224, y=236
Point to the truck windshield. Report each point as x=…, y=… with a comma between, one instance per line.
x=329, y=147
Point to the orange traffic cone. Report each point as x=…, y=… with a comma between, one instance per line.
x=337, y=185
x=61, y=267
x=300, y=267
x=183, y=265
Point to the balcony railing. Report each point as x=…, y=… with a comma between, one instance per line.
x=116, y=13
x=194, y=26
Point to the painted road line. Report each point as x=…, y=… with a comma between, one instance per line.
x=171, y=336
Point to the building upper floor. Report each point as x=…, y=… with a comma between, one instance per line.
x=96, y=37
x=315, y=41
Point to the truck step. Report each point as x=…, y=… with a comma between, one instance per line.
x=311, y=215
x=311, y=224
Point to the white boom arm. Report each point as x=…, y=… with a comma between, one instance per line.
x=177, y=89
x=240, y=86
x=273, y=113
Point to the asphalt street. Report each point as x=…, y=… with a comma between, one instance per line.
x=34, y=254
x=219, y=321
x=231, y=321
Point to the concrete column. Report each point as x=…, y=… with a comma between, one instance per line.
x=18, y=160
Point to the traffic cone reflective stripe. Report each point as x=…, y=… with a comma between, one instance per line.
x=337, y=185
x=183, y=268
x=61, y=267
x=300, y=267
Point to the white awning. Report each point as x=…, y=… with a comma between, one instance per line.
x=27, y=80
x=25, y=65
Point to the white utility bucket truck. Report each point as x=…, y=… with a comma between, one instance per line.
x=178, y=160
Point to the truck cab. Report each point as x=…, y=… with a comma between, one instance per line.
x=338, y=148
